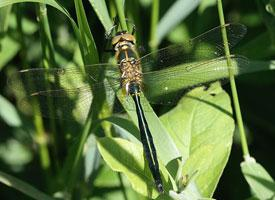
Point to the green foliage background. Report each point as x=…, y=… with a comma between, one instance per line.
x=49, y=154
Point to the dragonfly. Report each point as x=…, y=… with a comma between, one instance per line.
x=161, y=77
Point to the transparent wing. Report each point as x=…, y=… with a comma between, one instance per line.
x=166, y=86
x=67, y=90
x=207, y=46
x=41, y=79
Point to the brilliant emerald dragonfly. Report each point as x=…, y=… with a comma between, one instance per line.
x=160, y=77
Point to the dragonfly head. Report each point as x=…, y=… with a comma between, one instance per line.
x=123, y=39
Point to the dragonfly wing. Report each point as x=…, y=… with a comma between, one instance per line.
x=60, y=104
x=207, y=46
x=166, y=86
x=41, y=79
x=65, y=89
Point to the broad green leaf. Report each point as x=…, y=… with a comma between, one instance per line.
x=106, y=177
x=8, y=113
x=261, y=183
x=127, y=157
x=23, y=187
x=130, y=132
x=101, y=10
x=202, y=127
x=8, y=49
x=176, y=13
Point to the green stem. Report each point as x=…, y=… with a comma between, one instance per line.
x=122, y=186
x=121, y=16
x=38, y=123
x=47, y=43
x=154, y=22
x=233, y=84
x=48, y=61
x=41, y=138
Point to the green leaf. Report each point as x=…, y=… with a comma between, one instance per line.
x=52, y=3
x=23, y=187
x=87, y=43
x=28, y=26
x=127, y=157
x=8, y=113
x=260, y=182
x=160, y=135
x=202, y=127
x=176, y=13
x=130, y=132
x=8, y=49
x=91, y=156
x=101, y=11
x=15, y=154
x=4, y=19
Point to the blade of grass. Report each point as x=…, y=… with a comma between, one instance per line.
x=101, y=11
x=88, y=44
x=154, y=21
x=23, y=187
x=176, y=13
x=120, y=11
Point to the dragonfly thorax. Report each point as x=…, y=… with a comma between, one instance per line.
x=130, y=74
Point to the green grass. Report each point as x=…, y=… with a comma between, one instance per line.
x=101, y=157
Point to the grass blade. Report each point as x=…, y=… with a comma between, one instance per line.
x=101, y=11
x=23, y=187
x=178, y=11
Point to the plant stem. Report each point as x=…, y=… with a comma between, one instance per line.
x=48, y=61
x=154, y=22
x=121, y=16
x=233, y=84
x=38, y=123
